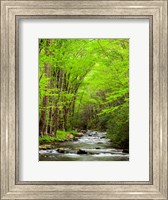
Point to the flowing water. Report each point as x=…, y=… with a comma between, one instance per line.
x=93, y=146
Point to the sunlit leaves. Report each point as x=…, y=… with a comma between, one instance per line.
x=77, y=76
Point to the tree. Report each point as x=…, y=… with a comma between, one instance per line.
x=83, y=83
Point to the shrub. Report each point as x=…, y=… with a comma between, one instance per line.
x=118, y=128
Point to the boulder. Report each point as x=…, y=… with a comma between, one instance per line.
x=80, y=151
x=80, y=134
x=83, y=131
x=88, y=131
x=92, y=133
x=61, y=150
x=75, y=138
x=70, y=136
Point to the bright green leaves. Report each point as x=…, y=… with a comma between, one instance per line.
x=83, y=83
x=108, y=82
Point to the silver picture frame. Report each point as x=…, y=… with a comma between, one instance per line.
x=11, y=12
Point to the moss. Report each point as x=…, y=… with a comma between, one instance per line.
x=60, y=136
x=73, y=132
x=47, y=139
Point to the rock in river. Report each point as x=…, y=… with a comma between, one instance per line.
x=80, y=151
x=83, y=131
x=80, y=134
x=75, y=138
x=61, y=150
x=70, y=136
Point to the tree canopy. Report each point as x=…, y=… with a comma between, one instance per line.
x=84, y=84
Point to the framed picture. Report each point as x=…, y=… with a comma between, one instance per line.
x=84, y=99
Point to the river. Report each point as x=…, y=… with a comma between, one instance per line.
x=92, y=146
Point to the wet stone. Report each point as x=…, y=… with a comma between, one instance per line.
x=80, y=151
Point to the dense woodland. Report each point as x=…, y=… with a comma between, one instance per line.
x=84, y=84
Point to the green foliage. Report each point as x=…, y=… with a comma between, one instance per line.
x=73, y=132
x=83, y=84
x=118, y=128
x=60, y=136
x=47, y=139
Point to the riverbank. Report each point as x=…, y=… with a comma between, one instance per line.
x=47, y=142
x=88, y=146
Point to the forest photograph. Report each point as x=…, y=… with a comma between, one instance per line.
x=83, y=99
